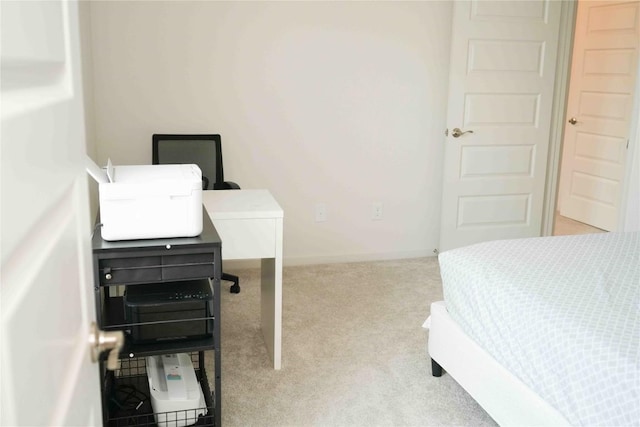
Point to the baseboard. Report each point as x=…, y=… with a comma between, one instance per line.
x=342, y=258
x=329, y=259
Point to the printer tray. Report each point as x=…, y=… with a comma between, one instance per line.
x=169, y=311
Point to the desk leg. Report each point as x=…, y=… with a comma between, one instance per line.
x=271, y=308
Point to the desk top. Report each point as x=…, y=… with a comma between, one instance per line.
x=241, y=204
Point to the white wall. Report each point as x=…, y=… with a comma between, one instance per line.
x=335, y=102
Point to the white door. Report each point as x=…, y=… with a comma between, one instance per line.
x=603, y=74
x=47, y=305
x=501, y=82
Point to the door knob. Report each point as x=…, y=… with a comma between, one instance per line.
x=573, y=120
x=101, y=341
x=457, y=132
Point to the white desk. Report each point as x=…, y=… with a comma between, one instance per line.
x=249, y=223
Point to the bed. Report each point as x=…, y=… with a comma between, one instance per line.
x=543, y=331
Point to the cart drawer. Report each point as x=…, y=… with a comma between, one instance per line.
x=151, y=269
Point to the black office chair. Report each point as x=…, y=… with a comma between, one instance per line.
x=204, y=151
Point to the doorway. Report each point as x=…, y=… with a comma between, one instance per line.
x=598, y=113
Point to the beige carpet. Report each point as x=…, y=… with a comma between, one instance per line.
x=564, y=226
x=353, y=352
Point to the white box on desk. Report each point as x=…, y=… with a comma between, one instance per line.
x=151, y=202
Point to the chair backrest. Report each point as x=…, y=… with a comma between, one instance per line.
x=202, y=150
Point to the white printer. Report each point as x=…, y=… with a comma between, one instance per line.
x=149, y=201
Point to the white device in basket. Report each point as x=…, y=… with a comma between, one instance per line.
x=176, y=396
x=149, y=201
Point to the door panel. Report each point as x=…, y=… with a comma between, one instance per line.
x=47, y=292
x=500, y=160
x=601, y=100
x=503, y=64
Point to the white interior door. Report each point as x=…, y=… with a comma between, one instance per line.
x=599, y=111
x=47, y=375
x=501, y=82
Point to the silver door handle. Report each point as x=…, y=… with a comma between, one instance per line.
x=457, y=132
x=101, y=341
x=573, y=120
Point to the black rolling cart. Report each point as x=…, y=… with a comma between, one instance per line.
x=181, y=278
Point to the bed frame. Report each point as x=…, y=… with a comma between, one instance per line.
x=505, y=398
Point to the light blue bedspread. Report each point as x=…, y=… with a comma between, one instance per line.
x=561, y=313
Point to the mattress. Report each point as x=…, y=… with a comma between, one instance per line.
x=561, y=313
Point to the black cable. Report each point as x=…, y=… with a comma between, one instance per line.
x=126, y=401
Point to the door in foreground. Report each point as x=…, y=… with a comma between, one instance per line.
x=47, y=297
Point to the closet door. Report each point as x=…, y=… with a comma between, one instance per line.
x=501, y=86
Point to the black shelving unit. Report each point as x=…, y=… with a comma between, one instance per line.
x=128, y=402
x=125, y=391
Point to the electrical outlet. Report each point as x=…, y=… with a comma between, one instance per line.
x=376, y=211
x=321, y=212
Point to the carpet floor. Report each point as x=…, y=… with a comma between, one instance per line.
x=353, y=350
